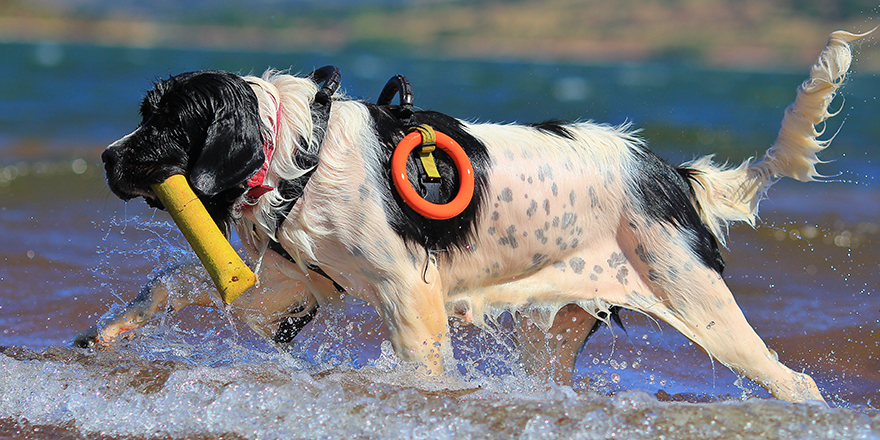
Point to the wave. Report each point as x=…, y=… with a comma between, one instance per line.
x=153, y=387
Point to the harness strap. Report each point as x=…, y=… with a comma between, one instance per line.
x=320, y=107
x=293, y=189
x=291, y=325
x=432, y=180
x=429, y=144
x=278, y=249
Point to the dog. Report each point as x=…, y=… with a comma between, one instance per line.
x=567, y=222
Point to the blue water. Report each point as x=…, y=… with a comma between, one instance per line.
x=806, y=277
x=84, y=95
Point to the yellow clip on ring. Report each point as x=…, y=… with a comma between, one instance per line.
x=412, y=198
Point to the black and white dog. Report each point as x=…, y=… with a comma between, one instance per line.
x=568, y=221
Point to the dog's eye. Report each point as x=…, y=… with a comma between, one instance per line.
x=145, y=121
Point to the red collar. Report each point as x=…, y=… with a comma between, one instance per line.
x=255, y=183
x=320, y=112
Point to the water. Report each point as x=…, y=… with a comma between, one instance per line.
x=806, y=278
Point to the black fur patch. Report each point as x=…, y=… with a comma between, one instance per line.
x=432, y=234
x=554, y=126
x=665, y=195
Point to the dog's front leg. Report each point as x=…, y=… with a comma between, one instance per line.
x=191, y=286
x=414, y=312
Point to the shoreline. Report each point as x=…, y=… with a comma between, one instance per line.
x=723, y=52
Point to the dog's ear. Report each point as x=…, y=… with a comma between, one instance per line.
x=232, y=153
x=233, y=147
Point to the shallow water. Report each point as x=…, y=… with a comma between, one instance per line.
x=806, y=278
x=120, y=394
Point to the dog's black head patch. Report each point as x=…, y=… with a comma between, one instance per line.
x=204, y=125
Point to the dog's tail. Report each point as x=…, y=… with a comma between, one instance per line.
x=727, y=194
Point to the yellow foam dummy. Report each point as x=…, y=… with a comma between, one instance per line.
x=226, y=268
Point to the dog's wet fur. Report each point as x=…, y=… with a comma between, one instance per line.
x=569, y=222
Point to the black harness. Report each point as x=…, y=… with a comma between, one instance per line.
x=293, y=189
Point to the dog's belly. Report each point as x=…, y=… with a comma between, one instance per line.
x=595, y=278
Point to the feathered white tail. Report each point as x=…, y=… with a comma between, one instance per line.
x=725, y=194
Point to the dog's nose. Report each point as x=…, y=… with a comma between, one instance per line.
x=109, y=157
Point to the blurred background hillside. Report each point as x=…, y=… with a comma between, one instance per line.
x=737, y=34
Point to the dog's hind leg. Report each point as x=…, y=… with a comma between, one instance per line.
x=702, y=308
x=552, y=354
x=681, y=285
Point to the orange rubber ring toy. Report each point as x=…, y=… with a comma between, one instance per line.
x=412, y=198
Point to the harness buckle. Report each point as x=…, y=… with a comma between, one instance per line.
x=431, y=179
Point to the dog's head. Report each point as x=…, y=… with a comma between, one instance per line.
x=204, y=125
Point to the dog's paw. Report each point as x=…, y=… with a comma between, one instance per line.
x=88, y=339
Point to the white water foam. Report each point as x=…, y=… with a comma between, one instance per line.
x=227, y=389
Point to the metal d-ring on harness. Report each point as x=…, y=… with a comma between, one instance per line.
x=425, y=140
x=430, y=179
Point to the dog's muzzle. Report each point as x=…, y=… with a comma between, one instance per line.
x=122, y=188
